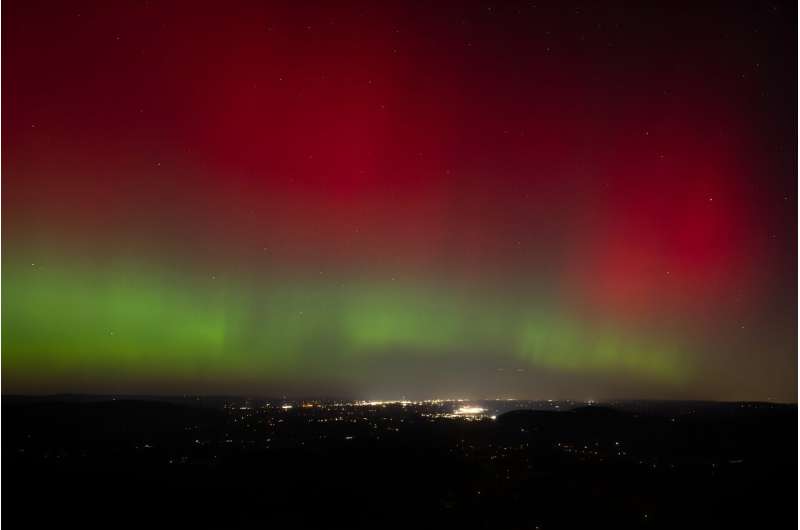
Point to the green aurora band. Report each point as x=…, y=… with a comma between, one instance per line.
x=134, y=321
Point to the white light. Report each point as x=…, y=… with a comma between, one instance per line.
x=469, y=410
x=286, y=407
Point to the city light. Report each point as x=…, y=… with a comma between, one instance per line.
x=469, y=410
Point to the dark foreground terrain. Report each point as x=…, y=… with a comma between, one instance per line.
x=79, y=462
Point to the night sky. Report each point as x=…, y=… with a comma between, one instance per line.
x=388, y=199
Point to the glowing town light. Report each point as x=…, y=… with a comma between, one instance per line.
x=469, y=410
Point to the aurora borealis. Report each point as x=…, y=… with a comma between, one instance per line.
x=387, y=199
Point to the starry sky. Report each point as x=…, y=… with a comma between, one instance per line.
x=579, y=200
